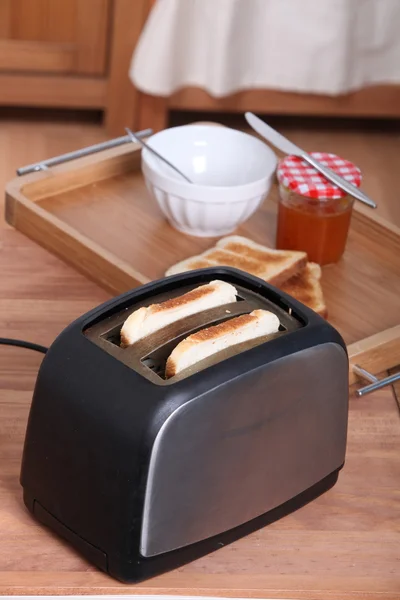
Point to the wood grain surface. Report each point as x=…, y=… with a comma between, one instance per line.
x=343, y=546
x=375, y=353
x=54, y=37
x=122, y=97
x=71, y=54
x=52, y=91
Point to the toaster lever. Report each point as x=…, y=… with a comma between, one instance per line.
x=374, y=382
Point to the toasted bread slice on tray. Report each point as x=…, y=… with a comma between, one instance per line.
x=306, y=287
x=275, y=266
x=190, y=264
x=278, y=265
x=286, y=269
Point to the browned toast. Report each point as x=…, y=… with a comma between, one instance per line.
x=286, y=269
x=278, y=265
x=306, y=287
x=275, y=266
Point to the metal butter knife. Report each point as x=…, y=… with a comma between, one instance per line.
x=283, y=144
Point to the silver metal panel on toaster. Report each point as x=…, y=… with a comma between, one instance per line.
x=246, y=447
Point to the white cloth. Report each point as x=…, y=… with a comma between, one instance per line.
x=223, y=46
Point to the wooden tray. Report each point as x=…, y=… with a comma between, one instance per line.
x=96, y=213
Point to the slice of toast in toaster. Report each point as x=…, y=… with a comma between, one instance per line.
x=211, y=340
x=279, y=265
x=147, y=320
x=306, y=287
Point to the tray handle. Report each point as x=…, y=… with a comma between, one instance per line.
x=374, y=382
x=44, y=165
x=374, y=354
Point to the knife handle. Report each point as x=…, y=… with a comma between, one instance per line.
x=339, y=181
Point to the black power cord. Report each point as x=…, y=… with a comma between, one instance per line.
x=23, y=344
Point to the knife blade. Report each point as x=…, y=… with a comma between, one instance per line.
x=286, y=146
x=275, y=138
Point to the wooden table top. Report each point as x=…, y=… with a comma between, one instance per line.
x=343, y=546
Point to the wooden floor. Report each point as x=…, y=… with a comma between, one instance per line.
x=30, y=136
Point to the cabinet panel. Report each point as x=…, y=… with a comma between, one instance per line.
x=67, y=36
x=46, y=57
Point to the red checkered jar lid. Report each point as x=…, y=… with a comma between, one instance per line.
x=301, y=178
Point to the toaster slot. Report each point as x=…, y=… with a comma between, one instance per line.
x=109, y=328
x=149, y=356
x=223, y=355
x=151, y=353
x=157, y=360
x=175, y=332
x=188, y=325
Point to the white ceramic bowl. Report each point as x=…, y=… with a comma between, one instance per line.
x=231, y=170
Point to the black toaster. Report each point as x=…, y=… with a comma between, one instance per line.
x=142, y=474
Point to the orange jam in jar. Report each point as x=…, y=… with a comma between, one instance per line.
x=314, y=214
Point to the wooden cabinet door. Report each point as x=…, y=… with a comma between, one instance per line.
x=54, y=36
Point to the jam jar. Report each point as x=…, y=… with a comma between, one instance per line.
x=314, y=214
